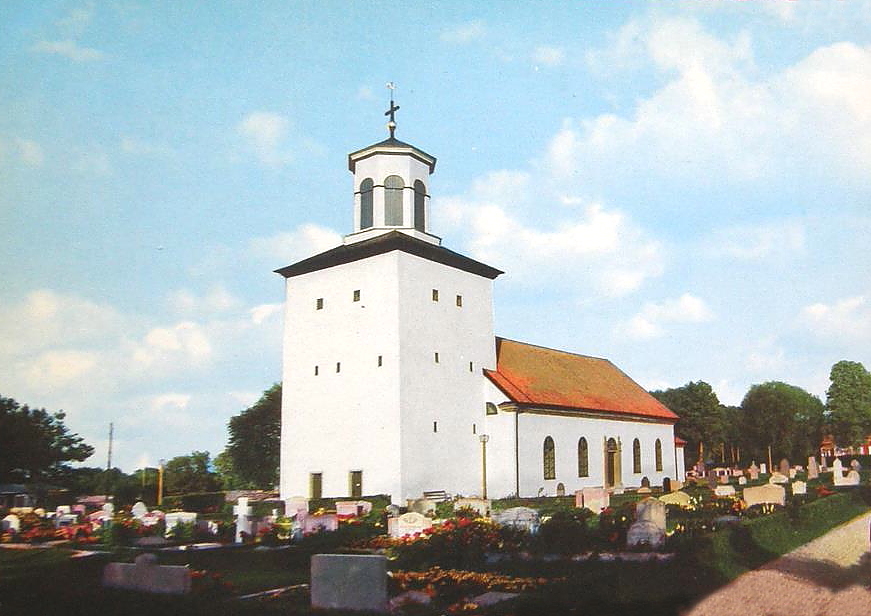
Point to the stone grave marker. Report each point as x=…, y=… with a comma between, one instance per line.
x=353, y=509
x=778, y=478
x=713, y=480
x=753, y=471
x=763, y=469
x=742, y=480
x=737, y=472
x=77, y=509
x=724, y=490
x=681, y=499
x=594, y=499
x=175, y=518
x=649, y=525
x=243, y=513
x=11, y=523
x=838, y=472
x=65, y=519
x=481, y=505
x=423, y=506
x=523, y=518
x=294, y=505
x=792, y=473
x=799, y=487
x=109, y=509
x=63, y=510
x=349, y=582
x=854, y=464
x=666, y=485
x=325, y=522
x=139, y=510
x=813, y=469
x=770, y=493
x=408, y=524
x=852, y=478
x=784, y=466
x=146, y=575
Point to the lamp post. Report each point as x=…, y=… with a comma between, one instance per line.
x=484, y=438
x=160, y=483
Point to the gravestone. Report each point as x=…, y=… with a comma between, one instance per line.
x=763, y=469
x=753, y=471
x=813, y=469
x=523, y=518
x=294, y=505
x=649, y=525
x=325, y=522
x=408, y=524
x=737, y=472
x=480, y=505
x=145, y=575
x=784, y=466
x=139, y=510
x=77, y=509
x=423, y=506
x=854, y=464
x=681, y=499
x=851, y=479
x=723, y=479
x=66, y=519
x=109, y=509
x=594, y=499
x=838, y=472
x=645, y=482
x=666, y=485
x=175, y=518
x=770, y=493
x=712, y=480
x=742, y=480
x=799, y=487
x=352, y=509
x=243, y=513
x=724, y=491
x=792, y=473
x=11, y=523
x=349, y=582
x=63, y=510
x=778, y=478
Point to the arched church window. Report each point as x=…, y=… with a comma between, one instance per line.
x=657, y=451
x=366, y=207
x=419, y=206
x=549, y=459
x=492, y=409
x=636, y=456
x=393, y=186
x=583, y=458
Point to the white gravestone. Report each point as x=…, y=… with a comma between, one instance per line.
x=854, y=464
x=852, y=479
x=763, y=469
x=353, y=509
x=724, y=490
x=175, y=518
x=778, y=478
x=742, y=481
x=753, y=471
x=681, y=499
x=813, y=469
x=649, y=525
x=295, y=504
x=145, y=575
x=523, y=518
x=423, y=506
x=63, y=510
x=594, y=499
x=109, y=509
x=767, y=494
x=139, y=510
x=349, y=582
x=243, y=518
x=792, y=473
x=480, y=505
x=11, y=523
x=408, y=524
x=799, y=487
x=327, y=522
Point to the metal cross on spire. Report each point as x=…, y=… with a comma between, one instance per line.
x=391, y=125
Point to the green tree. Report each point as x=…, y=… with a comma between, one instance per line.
x=35, y=445
x=848, y=401
x=701, y=417
x=188, y=474
x=255, y=442
x=784, y=417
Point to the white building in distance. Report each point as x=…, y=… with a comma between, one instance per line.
x=394, y=382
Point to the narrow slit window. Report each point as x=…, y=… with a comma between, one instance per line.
x=338, y=366
x=471, y=367
x=357, y=295
x=380, y=361
x=435, y=426
x=474, y=429
x=436, y=357
x=319, y=303
x=459, y=301
x=316, y=370
x=435, y=295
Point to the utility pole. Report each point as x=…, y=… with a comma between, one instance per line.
x=111, y=436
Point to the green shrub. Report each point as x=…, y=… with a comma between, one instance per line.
x=566, y=533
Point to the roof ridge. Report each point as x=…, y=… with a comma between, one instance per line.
x=546, y=348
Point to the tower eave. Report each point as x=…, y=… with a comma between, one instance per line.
x=391, y=147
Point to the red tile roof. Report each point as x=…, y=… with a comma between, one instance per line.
x=537, y=376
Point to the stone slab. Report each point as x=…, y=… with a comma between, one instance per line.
x=767, y=494
x=349, y=582
x=146, y=575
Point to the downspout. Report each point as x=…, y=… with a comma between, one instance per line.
x=517, y=452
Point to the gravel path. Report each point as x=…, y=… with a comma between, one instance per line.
x=830, y=576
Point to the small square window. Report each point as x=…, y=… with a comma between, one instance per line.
x=319, y=303
x=357, y=295
x=435, y=295
x=380, y=361
x=338, y=366
x=459, y=301
x=316, y=370
x=436, y=357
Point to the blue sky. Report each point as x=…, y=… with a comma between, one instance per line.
x=681, y=187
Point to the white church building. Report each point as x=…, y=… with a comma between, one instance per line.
x=394, y=382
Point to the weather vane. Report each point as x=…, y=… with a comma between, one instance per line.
x=391, y=125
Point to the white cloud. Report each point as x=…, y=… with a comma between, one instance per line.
x=263, y=312
x=752, y=242
x=291, y=246
x=69, y=49
x=266, y=133
x=217, y=299
x=718, y=118
x=846, y=320
x=651, y=320
x=30, y=152
x=463, y=33
x=177, y=344
x=59, y=368
x=548, y=56
x=136, y=146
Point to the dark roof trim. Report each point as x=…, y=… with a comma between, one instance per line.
x=394, y=240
